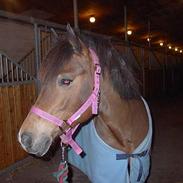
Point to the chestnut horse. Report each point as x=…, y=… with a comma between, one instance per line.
x=116, y=137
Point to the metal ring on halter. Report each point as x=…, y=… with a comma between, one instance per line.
x=65, y=126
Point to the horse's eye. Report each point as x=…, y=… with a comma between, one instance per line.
x=66, y=82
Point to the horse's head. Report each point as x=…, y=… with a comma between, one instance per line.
x=66, y=82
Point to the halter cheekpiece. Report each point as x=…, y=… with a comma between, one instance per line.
x=93, y=101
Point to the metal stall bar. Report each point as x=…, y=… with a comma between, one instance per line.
x=2, y=70
x=143, y=73
x=12, y=72
x=7, y=69
x=37, y=55
x=21, y=75
x=162, y=66
x=134, y=57
x=125, y=23
x=75, y=8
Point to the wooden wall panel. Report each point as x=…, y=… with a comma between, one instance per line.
x=7, y=134
x=2, y=151
x=15, y=102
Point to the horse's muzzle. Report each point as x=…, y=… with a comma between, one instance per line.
x=39, y=146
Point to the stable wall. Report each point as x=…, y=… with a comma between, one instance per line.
x=16, y=39
x=15, y=102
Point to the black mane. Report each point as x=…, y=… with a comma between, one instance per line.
x=122, y=78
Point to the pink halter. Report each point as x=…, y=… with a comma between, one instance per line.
x=91, y=101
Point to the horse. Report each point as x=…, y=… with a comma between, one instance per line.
x=91, y=99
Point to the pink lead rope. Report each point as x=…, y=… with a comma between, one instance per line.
x=91, y=101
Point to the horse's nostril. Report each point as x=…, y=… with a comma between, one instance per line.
x=26, y=139
x=43, y=146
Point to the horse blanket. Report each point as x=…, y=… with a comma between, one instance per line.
x=104, y=164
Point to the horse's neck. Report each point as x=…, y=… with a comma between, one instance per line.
x=121, y=124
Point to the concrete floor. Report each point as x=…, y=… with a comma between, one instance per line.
x=167, y=151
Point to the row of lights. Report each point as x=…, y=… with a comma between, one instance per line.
x=170, y=47
x=92, y=20
x=129, y=32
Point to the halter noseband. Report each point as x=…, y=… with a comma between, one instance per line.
x=91, y=101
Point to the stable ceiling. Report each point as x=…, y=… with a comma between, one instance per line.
x=166, y=16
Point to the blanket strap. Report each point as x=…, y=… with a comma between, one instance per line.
x=137, y=156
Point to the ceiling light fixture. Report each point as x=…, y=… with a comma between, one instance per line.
x=129, y=32
x=169, y=47
x=161, y=43
x=176, y=49
x=180, y=51
x=148, y=39
x=92, y=19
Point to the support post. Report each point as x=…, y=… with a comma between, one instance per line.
x=75, y=8
x=164, y=70
x=143, y=73
x=149, y=33
x=125, y=23
x=149, y=44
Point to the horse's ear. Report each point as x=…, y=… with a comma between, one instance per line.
x=73, y=38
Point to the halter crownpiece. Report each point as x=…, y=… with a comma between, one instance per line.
x=93, y=101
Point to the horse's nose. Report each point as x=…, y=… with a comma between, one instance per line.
x=26, y=139
x=38, y=146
